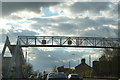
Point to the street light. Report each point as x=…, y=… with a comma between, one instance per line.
x=27, y=55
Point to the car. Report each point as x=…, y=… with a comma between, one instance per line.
x=56, y=76
x=31, y=77
x=39, y=76
x=45, y=76
x=73, y=77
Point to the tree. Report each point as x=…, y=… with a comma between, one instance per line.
x=109, y=62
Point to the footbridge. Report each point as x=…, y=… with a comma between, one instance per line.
x=64, y=41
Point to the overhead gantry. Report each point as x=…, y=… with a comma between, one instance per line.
x=16, y=64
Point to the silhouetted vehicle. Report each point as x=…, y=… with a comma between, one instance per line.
x=73, y=77
x=39, y=76
x=56, y=76
x=45, y=76
x=31, y=77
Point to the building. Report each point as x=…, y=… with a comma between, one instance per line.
x=83, y=68
x=65, y=70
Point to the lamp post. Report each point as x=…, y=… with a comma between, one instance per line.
x=27, y=55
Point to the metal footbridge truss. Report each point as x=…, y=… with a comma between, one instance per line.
x=63, y=41
x=16, y=64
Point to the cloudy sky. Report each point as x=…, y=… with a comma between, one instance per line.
x=84, y=19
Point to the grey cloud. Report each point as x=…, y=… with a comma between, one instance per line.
x=103, y=20
x=73, y=25
x=66, y=28
x=36, y=26
x=102, y=31
x=64, y=22
x=52, y=19
x=34, y=1
x=87, y=22
x=94, y=7
x=78, y=7
x=9, y=7
x=68, y=25
x=118, y=8
x=14, y=34
x=61, y=28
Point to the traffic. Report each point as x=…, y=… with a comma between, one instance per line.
x=55, y=76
